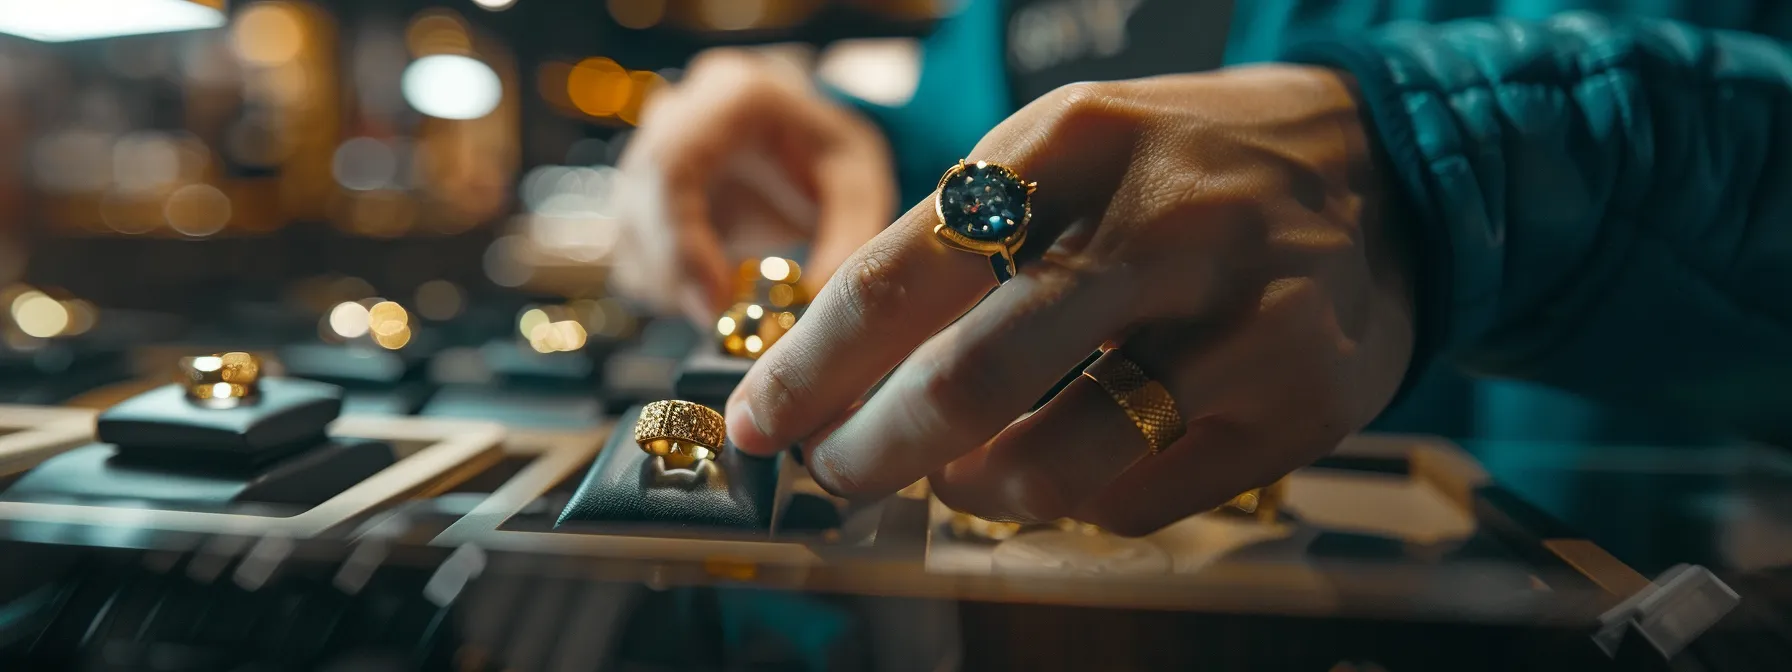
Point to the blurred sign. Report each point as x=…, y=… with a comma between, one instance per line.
x=1051, y=43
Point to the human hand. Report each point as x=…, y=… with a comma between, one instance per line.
x=1225, y=230
x=706, y=153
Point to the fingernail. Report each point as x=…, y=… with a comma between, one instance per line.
x=744, y=428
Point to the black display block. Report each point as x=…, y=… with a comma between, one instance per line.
x=708, y=376
x=99, y=474
x=627, y=486
x=287, y=413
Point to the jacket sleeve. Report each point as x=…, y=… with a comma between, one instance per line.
x=1601, y=205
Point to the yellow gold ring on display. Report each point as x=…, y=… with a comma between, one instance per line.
x=680, y=432
x=227, y=376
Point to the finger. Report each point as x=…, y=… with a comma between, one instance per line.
x=904, y=285
x=1210, y=465
x=1047, y=465
x=888, y=297
x=964, y=385
x=685, y=139
x=1262, y=398
x=857, y=196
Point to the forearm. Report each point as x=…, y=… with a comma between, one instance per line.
x=1598, y=205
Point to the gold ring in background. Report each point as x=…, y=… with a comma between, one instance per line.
x=1144, y=400
x=985, y=208
x=227, y=376
x=749, y=329
x=680, y=432
x=971, y=528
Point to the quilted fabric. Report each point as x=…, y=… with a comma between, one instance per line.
x=1602, y=204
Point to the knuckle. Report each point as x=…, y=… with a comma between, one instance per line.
x=956, y=393
x=1084, y=106
x=1036, y=492
x=872, y=286
x=782, y=393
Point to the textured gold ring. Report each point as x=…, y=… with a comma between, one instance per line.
x=227, y=376
x=1144, y=400
x=680, y=432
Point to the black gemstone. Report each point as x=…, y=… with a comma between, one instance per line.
x=983, y=202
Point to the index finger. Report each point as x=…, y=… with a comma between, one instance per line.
x=885, y=300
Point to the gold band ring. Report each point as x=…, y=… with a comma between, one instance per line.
x=681, y=432
x=227, y=376
x=984, y=208
x=1144, y=400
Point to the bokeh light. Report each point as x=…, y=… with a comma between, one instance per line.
x=452, y=87
x=781, y=295
x=643, y=85
x=599, y=87
x=775, y=269
x=38, y=315
x=82, y=316
x=145, y=161
x=437, y=32
x=349, y=320
x=503, y=262
x=495, y=5
x=530, y=319
x=637, y=14
x=560, y=336
x=440, y=300
x=268, y=33
x=732, y=14
x=63, y=20
x=197, y=210
x=365, y=164
x=387, y=318
x=395, y=340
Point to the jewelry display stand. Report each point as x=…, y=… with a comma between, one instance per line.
x=626, y=486
x=346, y=469
x=708, y=376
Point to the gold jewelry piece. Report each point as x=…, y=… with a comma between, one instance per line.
x=1265, y=503
x=749, y=329
x=771, y=282
x=971, y=528
x=226, y=377
x=984, y=208
x=680, y=432
x=1144, y=400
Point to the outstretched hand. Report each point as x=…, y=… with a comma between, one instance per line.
x=1226, y=231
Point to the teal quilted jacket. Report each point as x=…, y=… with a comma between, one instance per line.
x=1604, y=201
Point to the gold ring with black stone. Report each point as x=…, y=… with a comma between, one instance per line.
x=985, y=208
x=680, y=432
x=220, y=377
x=1144, y=400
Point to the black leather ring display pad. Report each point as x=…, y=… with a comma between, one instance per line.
x=99, y=474
x=628, y=486
x=708, y=376
x=286, y=412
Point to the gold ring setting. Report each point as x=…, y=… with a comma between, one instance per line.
x=220, y=380
x=1144, y=400
x=984, y=208
x=682, y=433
